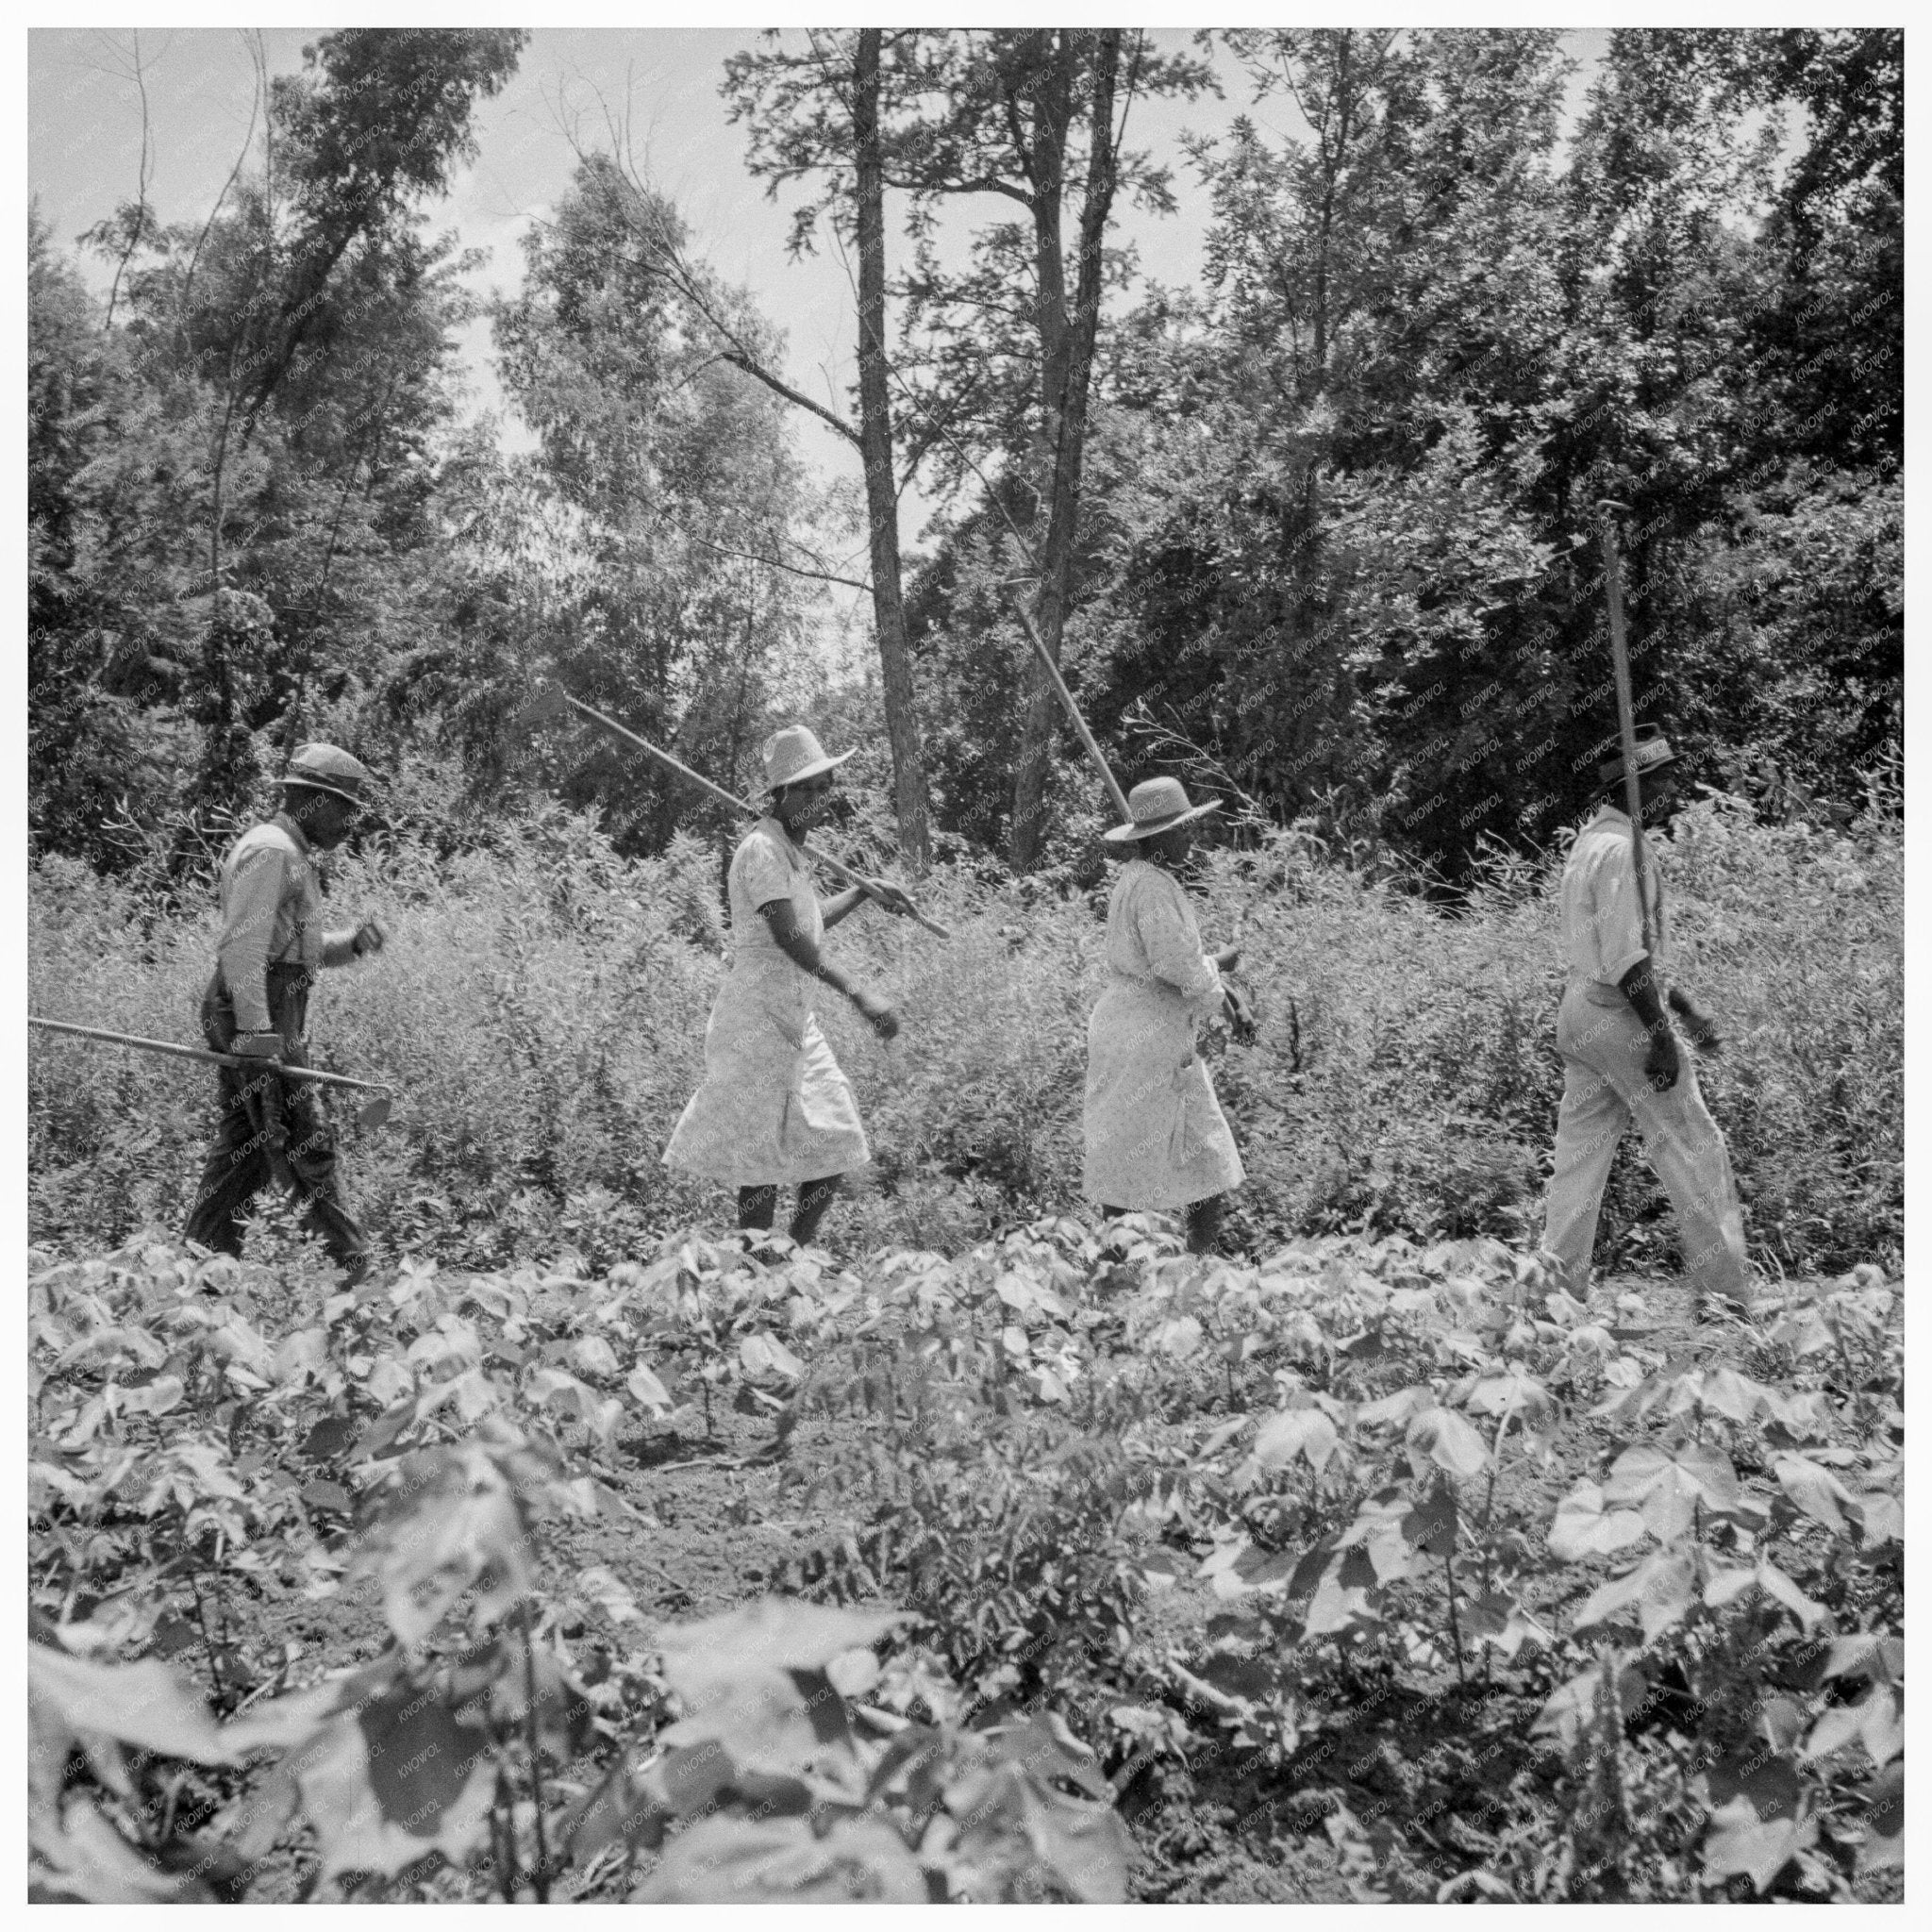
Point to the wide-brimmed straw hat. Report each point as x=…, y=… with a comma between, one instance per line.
x=794, y=754
x=328, y=768
x=1157, y=804
x=1653, y=753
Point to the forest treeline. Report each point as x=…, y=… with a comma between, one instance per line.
x=1319, y=532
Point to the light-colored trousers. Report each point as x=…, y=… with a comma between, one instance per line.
x=1604, y=1089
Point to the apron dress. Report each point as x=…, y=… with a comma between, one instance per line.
x=774, y=1107
x=1155, y=1134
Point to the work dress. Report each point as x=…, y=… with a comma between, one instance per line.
x=774, y=1107
x=1155, y=1134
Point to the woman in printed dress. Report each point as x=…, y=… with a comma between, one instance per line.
x=1155, y=1137
x=775, y=1110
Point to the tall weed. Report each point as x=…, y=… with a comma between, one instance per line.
x=541, y=1008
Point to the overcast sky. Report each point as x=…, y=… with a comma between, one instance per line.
x=84, y=144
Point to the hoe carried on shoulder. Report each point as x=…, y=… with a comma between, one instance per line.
x=553, y=701
x=1607, y=509
x=1241, y=1020
x=372, y=1113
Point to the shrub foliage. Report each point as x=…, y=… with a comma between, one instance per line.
x=543, y=1011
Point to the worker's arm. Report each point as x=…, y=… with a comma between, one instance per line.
x=1661, y=1063
x=891, y=897
x=804, y=953
x=352, y=944
x=1171, y=942
x=1238, y=1013
x=1699, y=1026
x=1618, y=951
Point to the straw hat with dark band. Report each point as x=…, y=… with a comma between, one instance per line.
x=795, y=753
x=1157, y=804
x=1653, y=753
x=328, y=768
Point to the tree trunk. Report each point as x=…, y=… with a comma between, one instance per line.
x=876, y=449
x=1066, y=369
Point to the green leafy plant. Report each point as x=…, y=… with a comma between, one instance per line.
x=776, y=1782
x=1687, y=1661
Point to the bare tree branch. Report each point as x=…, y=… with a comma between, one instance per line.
x=797, y=570
x=257, y=107
x=937, y=431
x=985, y=184
x=689, y=283
x=145, y=173
x=739, y=358
x=823, y=576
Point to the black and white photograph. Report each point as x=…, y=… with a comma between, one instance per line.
x=965, y=964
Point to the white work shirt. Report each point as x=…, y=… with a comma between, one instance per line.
x=270, y=915
x=1603, y=929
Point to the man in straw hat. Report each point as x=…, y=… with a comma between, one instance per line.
x=1154, y=1133
x=1622, y=1060
x=273, y=945
x=775, y=1110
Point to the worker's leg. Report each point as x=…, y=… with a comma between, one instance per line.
x=1679, y=1137
x=814, y=1197
x=312, y=1164
x=755, y=1207
x=308, y=1140
x=1590, y=1123
x=1689, y=1154
x=1203, y=1224
x=236, y=1169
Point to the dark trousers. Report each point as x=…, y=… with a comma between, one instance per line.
x=270, y=1129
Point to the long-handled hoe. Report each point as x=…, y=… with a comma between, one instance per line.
x=372, y=1113
x=553, y=701
x=1241, y=1021
x=1626, y=716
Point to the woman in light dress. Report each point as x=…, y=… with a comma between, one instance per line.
x=775, y=1110
x=1155, y=1134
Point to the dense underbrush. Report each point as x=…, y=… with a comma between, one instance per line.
x=543, y=1006
x=1491, y=1592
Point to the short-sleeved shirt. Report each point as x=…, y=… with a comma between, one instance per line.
x=272, y=915
x=1602, y=922
x=768, y=866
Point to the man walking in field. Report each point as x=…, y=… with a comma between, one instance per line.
x=256, y=1005
x=1622, y=1059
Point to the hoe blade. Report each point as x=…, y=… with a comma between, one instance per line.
x=549, y=703
x=372, y=1113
